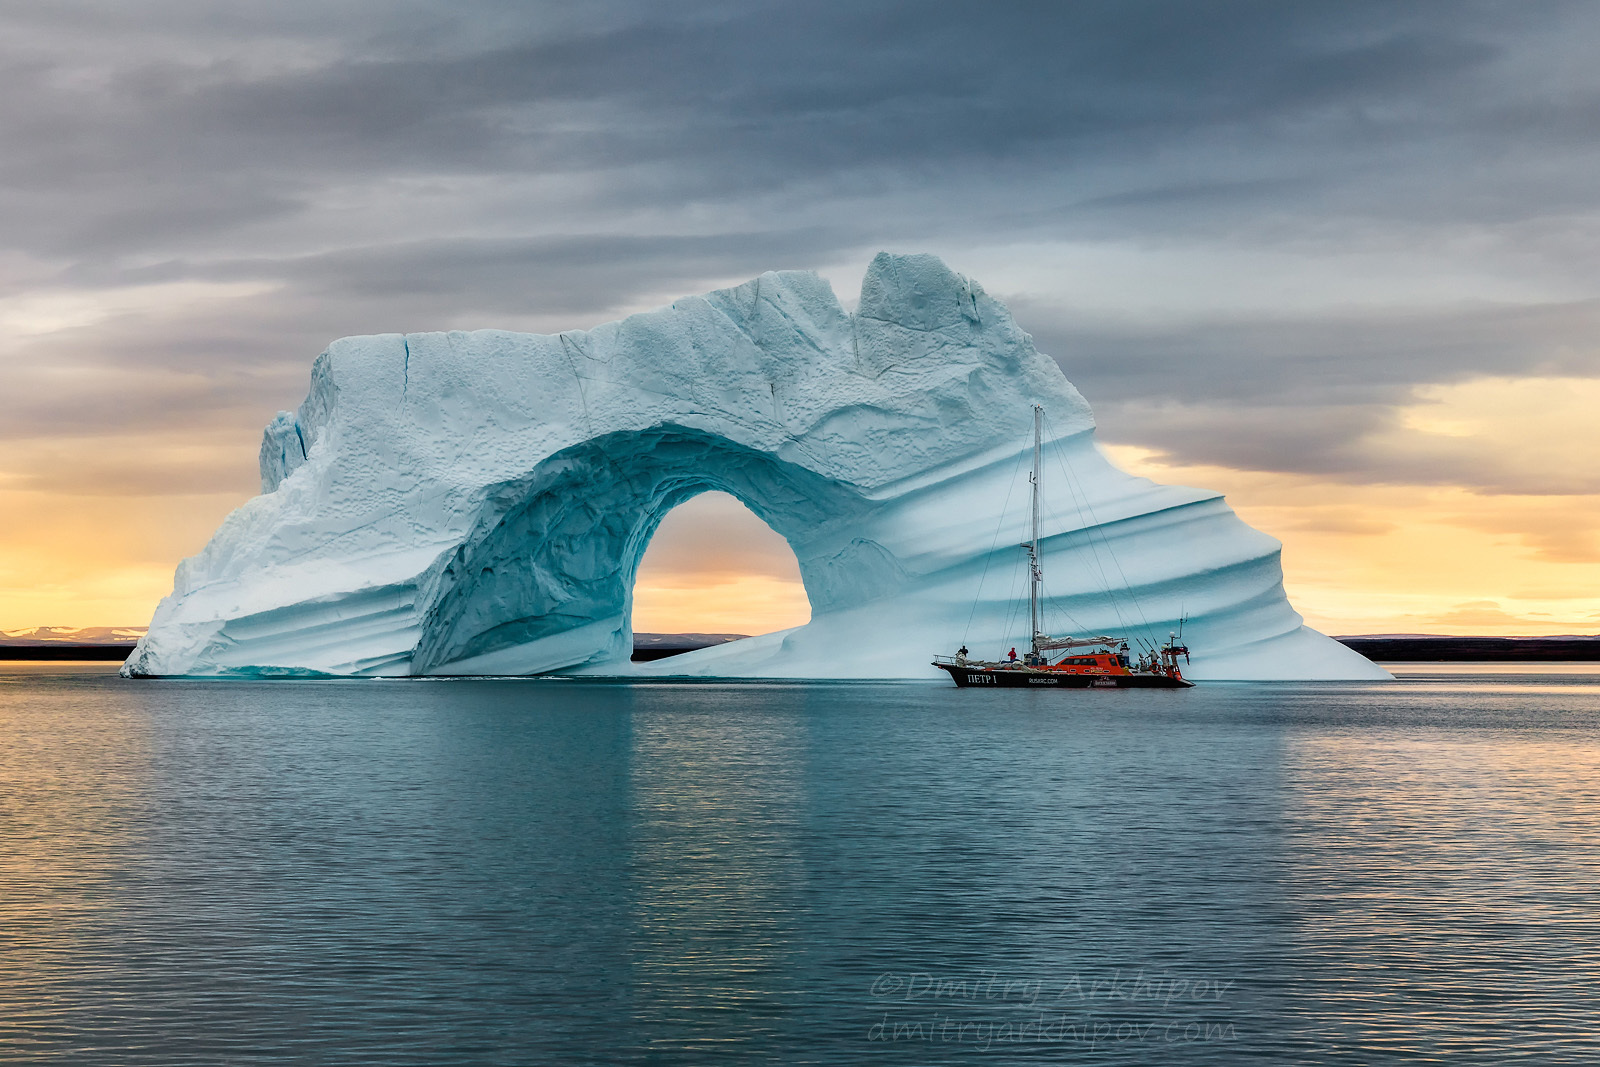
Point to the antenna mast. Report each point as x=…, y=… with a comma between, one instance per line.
x=1036, y=570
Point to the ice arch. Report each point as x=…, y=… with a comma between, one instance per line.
x=592, y=510
x=456, y=503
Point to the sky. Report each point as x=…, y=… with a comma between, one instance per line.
x=1337, y=260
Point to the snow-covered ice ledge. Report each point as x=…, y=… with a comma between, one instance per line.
x=466, y=503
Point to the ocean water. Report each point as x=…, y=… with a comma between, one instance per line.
x=531, y=872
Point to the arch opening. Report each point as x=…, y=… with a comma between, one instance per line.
x=545, y=581
x=713, y=567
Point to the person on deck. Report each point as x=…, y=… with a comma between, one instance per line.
x=1013, y=654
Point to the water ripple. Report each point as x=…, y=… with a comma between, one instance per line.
x=514, y=872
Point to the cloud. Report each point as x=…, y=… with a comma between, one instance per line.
x=473, y=154
x=1259, y=236
x=1130, y=116
x=1549, y=529
x=184, y=463
x=1364, y=558
x=1491, y=616
x=1332, y=395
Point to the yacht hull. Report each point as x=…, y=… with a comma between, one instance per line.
x=1029, y=678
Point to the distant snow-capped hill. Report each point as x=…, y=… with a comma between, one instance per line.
x=685, y=641
x=74, y=635
x=659, y=646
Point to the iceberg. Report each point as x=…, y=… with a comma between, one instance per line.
x=477, y=503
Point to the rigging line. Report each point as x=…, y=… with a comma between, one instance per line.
x=1016, y=605
x=1116, y=609
x=1127, y=586
x=1113, y=597
x=1090, y=524
x=1014, y=612
x=1062, y=457
x=1077, y=624
x=1093, y=555
x=999, y=526
x=1108, y=591
x=1073, y=557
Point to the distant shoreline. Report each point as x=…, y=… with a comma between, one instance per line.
x=1431, y=649
x=54, y=651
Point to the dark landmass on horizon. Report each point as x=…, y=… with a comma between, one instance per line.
x=65, y=650
x=1428, y=648
x=660, y=646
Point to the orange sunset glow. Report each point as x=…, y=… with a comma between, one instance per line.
x=96, y=545
x=1397, y=558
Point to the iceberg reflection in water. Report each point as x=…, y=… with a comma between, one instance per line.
x=470, y=872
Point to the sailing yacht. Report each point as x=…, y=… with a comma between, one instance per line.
x=1097, y=662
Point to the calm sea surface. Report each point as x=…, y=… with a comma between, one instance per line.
x=529, y=872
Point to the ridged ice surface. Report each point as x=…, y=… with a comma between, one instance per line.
x=478, y=503
x=543, y=871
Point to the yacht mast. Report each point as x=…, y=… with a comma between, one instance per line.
x=1036, y=571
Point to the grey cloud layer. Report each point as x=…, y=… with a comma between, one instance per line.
x=1300, y=394
x=1197, y=99
x=411, y=166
